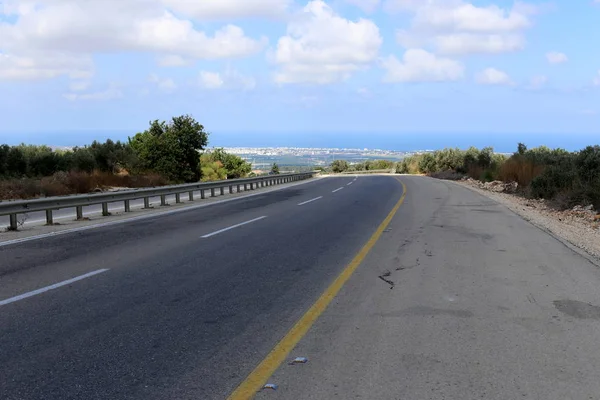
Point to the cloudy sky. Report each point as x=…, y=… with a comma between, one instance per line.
x=290, y=65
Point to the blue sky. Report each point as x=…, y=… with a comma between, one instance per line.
x=282, y=67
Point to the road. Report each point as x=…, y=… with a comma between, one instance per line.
x=455, y=298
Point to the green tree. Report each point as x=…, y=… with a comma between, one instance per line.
x=171, y=149
x=235, y=166
x=427, y=163
x=4, y=150
x=16, y=163
x=112, y=156
x=212, y=170
x=82, y=160
x=275, y=169
x=381, y=164
x=339, y=166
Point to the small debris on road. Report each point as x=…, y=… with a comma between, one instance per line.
x=270, y=386
x=299, y=360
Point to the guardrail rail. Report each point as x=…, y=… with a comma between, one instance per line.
x=13, y=208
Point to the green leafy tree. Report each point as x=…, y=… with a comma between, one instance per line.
x=275, y=169
x=235, y=166
x=213, y=171
x=171, y=149
x=339, y=166
x=16, y=162
x=4, y=150
x=381, y=164
x=112, y=156
x=427, y=163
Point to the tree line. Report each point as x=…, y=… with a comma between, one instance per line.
x=555, y=174
x=338, y=166
x=172, y=149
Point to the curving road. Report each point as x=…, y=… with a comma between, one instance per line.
x=456, y=298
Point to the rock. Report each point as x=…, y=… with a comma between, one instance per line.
x=511, y=187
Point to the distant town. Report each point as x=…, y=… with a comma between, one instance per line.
x=261, y=157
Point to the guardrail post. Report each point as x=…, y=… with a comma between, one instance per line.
x=245, y=187
x=163, y=200
x=49, y=220
x=191, y=195
x=212, y=192
x=177, y=198
x=127, y=206
x=146, y=202
x=222, y=190
x=79, y=212
x=202, y=195
x=238, y=188
x=230, y=189
x=105, y=212
x=262, y=183
x=13, y=222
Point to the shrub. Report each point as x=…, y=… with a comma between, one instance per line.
x=339, y=166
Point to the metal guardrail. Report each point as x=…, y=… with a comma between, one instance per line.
x=48, y=204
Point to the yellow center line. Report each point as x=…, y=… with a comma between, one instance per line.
x=259, y=376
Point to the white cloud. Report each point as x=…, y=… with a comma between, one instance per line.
x=459, y=27
x=112, y=92
x=164, y=84
x=323, y=47
x=468, y=43
x=44, y=65
x=421, y=66
x=229, y=9
x=68, y=32
x=588, y=111
x=492, y=76
x=210, y=80
x=367, y=6
x=555, y=57
x=596, y=80
x=229, y=79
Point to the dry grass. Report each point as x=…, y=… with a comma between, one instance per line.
x=520, y=171
x=447, y=175
x=64, y=183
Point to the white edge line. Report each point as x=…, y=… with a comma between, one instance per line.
x=140, y=217
x=337, y=190
x=232, y=227
x=350, y=183
x=310, y=201
x=47, y=288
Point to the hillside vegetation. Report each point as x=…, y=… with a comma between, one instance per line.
x=165, y=153
x=569, y=178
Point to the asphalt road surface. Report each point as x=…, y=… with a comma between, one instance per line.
x=458, y=298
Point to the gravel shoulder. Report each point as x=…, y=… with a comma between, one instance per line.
x=579, y=227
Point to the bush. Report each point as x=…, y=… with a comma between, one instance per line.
x=339, y=166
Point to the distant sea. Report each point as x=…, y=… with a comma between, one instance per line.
x=371, y=140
